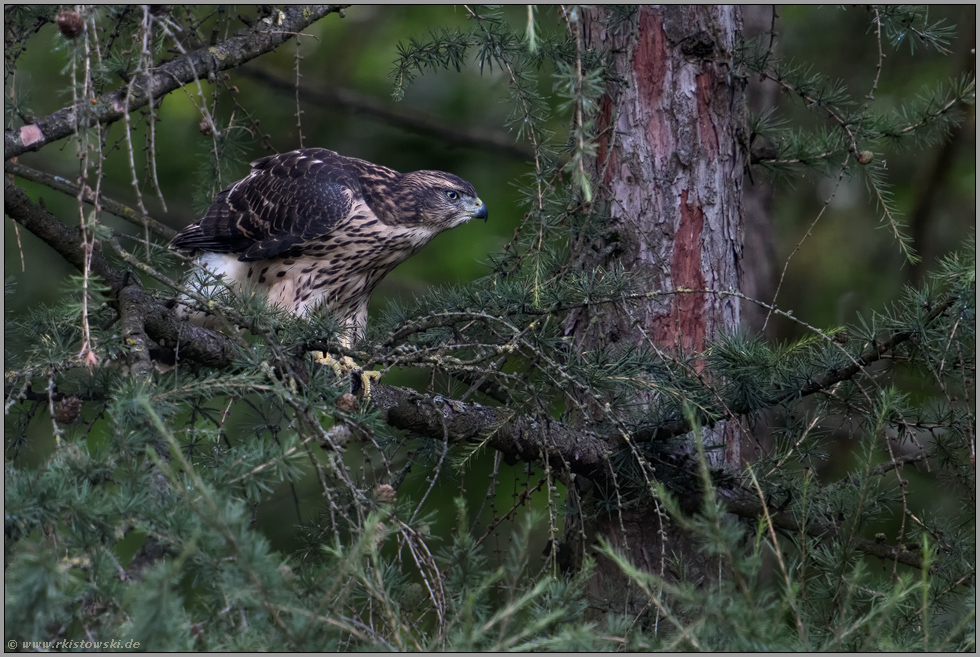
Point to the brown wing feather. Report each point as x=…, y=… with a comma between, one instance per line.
x=288, y=199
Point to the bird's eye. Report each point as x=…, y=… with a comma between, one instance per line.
x=452, y=196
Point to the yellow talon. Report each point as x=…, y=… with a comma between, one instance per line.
x=345, y=366
x=339, y=367
x=367, y=376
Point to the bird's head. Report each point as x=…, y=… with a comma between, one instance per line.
x=440, y=200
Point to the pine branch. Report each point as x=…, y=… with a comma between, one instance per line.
x=264, y=37
x=528, y=439
x=870, y=355
x=874, y=353
x=358, y=103
x=160, y=322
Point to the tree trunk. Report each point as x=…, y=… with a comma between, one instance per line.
x=669, y=165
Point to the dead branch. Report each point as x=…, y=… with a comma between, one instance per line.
x=65, y=186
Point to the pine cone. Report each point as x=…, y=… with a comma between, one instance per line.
x=346, y=402
x=70, y=24
x=384, y=494
x=67, y=410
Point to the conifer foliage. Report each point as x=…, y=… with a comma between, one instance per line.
x=141, y=451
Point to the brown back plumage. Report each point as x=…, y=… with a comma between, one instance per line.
x=293, y=198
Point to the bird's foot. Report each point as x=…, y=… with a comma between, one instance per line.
x=361, y=379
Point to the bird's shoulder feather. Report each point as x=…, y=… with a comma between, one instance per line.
x=286, y=200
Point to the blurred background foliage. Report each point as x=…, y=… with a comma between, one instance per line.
x=848, y=265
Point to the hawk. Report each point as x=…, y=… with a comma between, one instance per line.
x=313, y=227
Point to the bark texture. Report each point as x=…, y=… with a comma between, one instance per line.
x=670, y=160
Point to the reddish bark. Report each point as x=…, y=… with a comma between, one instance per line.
x=670, y=159
x=687, y=325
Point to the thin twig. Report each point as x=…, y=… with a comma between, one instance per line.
x=823, y=208
x=299, y=77
x=881, y=54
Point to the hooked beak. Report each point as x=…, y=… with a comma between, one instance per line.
x=480, y=210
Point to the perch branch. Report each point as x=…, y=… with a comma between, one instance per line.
x=523, y=437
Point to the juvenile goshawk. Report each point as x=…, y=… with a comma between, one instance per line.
x=314, y=227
